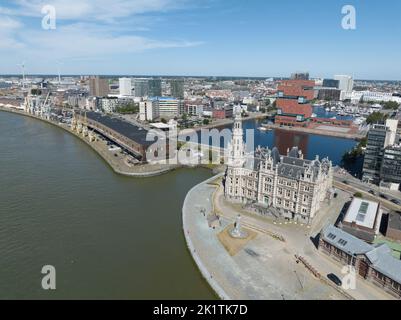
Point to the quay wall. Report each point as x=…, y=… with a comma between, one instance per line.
x=185, y=225
x=145, y=174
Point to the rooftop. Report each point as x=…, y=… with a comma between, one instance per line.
x=380, y=256
x=394, y=221
x=362, y=212
x=124, y=128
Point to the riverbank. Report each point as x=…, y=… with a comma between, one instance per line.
x=192, y=243
x=116, y=161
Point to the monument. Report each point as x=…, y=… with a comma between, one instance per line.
x=237, y=232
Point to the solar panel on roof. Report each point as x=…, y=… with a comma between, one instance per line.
x=364, y=207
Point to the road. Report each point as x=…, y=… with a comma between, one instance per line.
x=341, y=176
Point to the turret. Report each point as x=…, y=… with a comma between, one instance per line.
x=236, y=147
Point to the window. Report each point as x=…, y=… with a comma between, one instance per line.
x=395, y=285
x=331, y=236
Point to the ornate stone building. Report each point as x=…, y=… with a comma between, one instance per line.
x=289, y=186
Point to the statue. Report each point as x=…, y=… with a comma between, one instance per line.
x=237, y=232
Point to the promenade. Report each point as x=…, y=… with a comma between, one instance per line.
x=265, y=268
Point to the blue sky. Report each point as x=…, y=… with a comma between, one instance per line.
x=203, y=37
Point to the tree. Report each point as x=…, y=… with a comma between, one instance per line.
x=206, y=122
x=130, y=108
x=358, y=195
x=163, y=120
x=376, y=117
x=391, y=105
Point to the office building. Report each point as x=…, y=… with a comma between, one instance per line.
x=390, y=170
x=331, y=83
x=346, y=85
x=177, y=88
x=329, y=94
x=125, y=86
x=141, y=87
x=160, y=107
x=300, y=76
x=149, y=110
x=169, y=107
x=293, y=187
x=98, y=87
x=154, y=88
x=380, y=138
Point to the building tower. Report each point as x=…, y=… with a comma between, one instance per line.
x=236, y=148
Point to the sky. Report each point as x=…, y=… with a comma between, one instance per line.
x=255, y=38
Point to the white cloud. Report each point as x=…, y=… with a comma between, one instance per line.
x=90, y=10
x=8, y=31
x=86, y=29
x=79, y=41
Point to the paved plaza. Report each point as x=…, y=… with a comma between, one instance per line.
x=265, y=268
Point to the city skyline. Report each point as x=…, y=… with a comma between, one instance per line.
x=201, y=38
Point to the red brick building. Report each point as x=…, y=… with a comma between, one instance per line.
x=293, y=102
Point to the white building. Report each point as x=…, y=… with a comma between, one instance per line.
x=170, y=107
x=125, y=86
x=346, y=85
x=108, y=105
x=373, y=96
x=149, y=110
x=289, y=186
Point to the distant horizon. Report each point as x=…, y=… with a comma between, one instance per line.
x=180, y=76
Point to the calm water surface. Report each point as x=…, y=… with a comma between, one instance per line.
x=108, y=236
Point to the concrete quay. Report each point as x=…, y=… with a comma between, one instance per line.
x=322, y=132
x=116, y=161
x=265, y=268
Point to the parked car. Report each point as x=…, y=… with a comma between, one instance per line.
x=396, y=201
x=383, y=196
x=372, y=192
x=332, y=277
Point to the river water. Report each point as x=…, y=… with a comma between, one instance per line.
x=108, y=236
